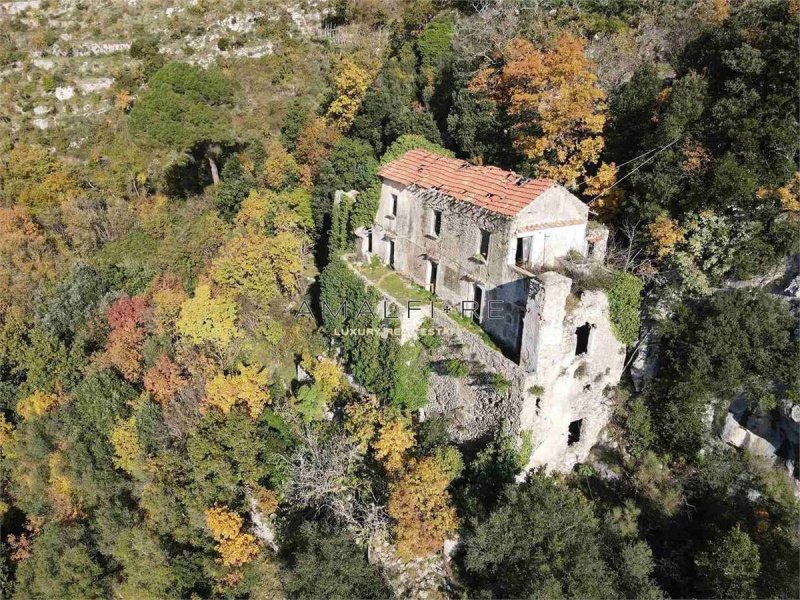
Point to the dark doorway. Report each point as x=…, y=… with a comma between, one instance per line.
x=477, y=297
x=582, y=343
x=391, y=254
x=434, y=273
x=523, y=250
x=574, y=435
x=369, y=242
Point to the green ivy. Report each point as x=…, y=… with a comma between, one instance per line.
x=624, y=300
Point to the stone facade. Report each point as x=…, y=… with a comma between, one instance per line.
x=559, y=356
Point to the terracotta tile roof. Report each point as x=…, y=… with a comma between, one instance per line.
x=492, y=188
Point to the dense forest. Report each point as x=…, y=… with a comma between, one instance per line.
x=172, y=424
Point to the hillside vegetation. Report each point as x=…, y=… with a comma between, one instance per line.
x=174, y=422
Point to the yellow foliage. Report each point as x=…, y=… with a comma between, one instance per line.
x=789, y=195
x=235, y=547
x=155, y=214
x=31, y=176
x=349, y=85
x=422, y=508
x=364, y=417
x=125, y=441
x=599, y=184
x=37, y=404
x=280, y=168
x=327, y=375
x=556, y=106
x=226, y=391
x=6, y=431
x=713, y=12
x=204, y=318
x=167, y=298
x=392, y=445
x=258, y=266
x=60, y=492
x=665, y=233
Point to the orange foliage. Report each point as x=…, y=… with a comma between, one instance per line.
x=422, y=507
x=313, y=144
x=124, y=344
x=235, y=547
x=554, y=102
x=164, y=379
x=665, y=233
x=27, y=257
x=391, y=447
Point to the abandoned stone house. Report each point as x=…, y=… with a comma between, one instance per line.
x=490, y=242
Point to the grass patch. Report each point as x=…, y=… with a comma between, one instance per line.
x=456, y=368
x=470, y=325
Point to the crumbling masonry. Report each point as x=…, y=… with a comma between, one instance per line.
x=487, y=242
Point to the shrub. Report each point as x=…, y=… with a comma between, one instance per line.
x=429, y=341
x=624, y=299
x=536, y=390
x=456, y=368
x=500, y=384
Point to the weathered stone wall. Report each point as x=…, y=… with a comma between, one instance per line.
x=534, y=318
x=574, y=387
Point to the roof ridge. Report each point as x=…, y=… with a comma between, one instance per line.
x=488, y=186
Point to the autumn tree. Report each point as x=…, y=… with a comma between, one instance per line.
x=203, y=318
x=164, y=379
x=314, y=143
x=259, y=267
x=248, y=387
x=350, y=83
x=280, y=170
x=392, y=446
x=422, y=508
x=33, y=177
x=665, y=234
x=271, y=213
x=235, y=546
x=37, y=404
x=555, y=107
x=124, y=344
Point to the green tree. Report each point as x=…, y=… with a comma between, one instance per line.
x=236, y=185
x=184, y=107
x=731, y=566
x=64, y=564
x=624, y=299
x=329, y=564
x=737, y=341
x=542, y=539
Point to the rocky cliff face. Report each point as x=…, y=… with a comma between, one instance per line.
x=65, y=62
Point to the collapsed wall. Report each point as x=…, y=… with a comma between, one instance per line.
x=563, y=402
x=558, y=392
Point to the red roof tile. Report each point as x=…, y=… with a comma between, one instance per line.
x=492, y=188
